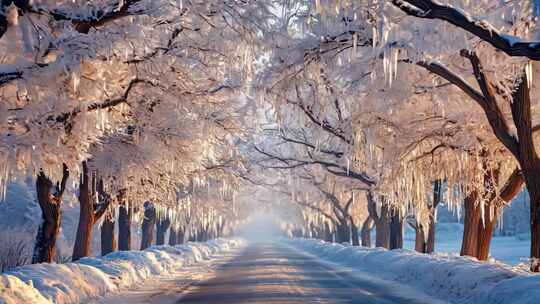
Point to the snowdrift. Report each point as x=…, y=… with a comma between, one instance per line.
x=449, y=277
x=91, y=277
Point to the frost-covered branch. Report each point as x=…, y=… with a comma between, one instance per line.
x=485, y=98
x=431, y=9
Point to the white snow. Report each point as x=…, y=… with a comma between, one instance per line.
x=449, y=277
x=511, y=250
x=91, y=277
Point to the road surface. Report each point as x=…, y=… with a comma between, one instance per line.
x=272, y=273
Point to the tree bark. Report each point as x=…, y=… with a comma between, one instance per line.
x=396, y=230
x=420, y=241
x=172, y=237
x=366, y=231
x=382, y=228
x=221, y=229
x=354, y=233
x=469, y=243
x=149, y=222
x=163, y=225
x=327, y=234
x=180, y=235
x=125, y=215
x=533, y=185
x=108, y=239
x=485, y=233
x=437, y=198
x=90, y=211
x=343, y=232
x=51, y=213
x=87, y=190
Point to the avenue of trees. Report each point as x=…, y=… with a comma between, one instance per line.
x=361, y=114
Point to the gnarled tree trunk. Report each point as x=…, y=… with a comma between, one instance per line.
x=180, y=235
x=437, y=198
x=172, y=237
x=382, y=228
x=366, y=231
x=485, y=232
x=493, y=207
x=382, y=221
x=343, y=232
x=125, y=215
x=108, y=239
x=149, y=222
x=354, y=233
x=163, y=225
x=51, y=213
x=90, y=212
x=327, y=232
x=396, y=230
x=420, y=241
x=470, y=225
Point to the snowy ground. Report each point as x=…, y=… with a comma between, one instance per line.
x=113, y=273
x=507, y=249
x=279, y=271
x=168, y=288
x=312, y=271
x=448, y=277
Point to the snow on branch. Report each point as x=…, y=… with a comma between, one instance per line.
x=84, y=22
x=331, y=167
x=431, y=9
x=486, y=98
x=60, y=118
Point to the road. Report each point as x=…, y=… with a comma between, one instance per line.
x=275, y=273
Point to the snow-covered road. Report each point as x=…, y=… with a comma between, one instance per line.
x=271, y=272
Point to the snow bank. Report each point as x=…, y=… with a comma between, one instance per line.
x=450, y=277
x=91, y=277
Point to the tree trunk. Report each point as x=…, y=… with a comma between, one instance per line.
x=420, y=242
x=108, y=239
x=172, y=237
x=149, y=222
x=354, y=233
x=366, y=231
x=430, y=246
x=162, y=225
x=125, y=215
x=533, y=185
x=192, y=236
x=327, y=233
x=51, y=213
x=469, y=244
x=180, y=234
x=87, y=190
x=343, y=232
x=382, y=228
x=90, y=211
x=437, y=198
x=485, y=233
x=396, y=230
x=221, y=229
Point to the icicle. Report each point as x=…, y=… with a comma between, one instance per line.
x=529, y=74
x=374, y=37
x=76, y=80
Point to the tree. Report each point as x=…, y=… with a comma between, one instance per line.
x=90, y=211
x=50, y=204
x=148, y=225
